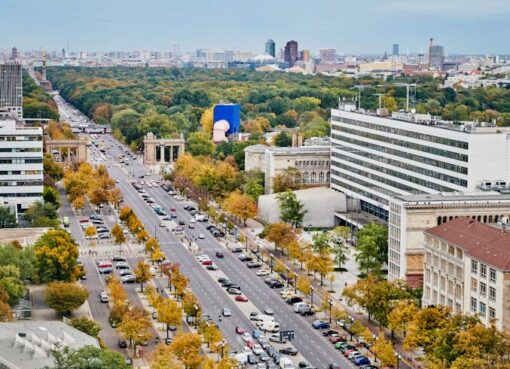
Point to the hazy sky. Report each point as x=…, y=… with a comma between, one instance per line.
x=359, y=26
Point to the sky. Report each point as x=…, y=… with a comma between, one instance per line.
x=350, y=26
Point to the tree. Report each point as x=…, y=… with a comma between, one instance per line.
x=190, y=305
x=384, y=351
x=289, y=179
x=56, y=255
x=180, y=283
x=206, y=120
x=186, y=347
x=6, y=314
x=291, y=209
x=340, y=252
x=7, y=218
x=135, y=326
x=200, y=143
x=86, y=325
x=367, y=255
x=279, y=233
x=86, y=357
x=41, y=215
x=253, y=183
x=240, y=205
x=163, y=358
x=142, y=273
x=11, y=283
x=169, y=313
x=65, y=297
x=51, y=195
x=21, y=257
x=90, y=231
x=157, y=255
x=151, y=244
x=401, y=314
x=304, y=285
x=117, y=293
x=142, y=235
x=78, y=203
x=211, y=334
x=379, y=233
x=118, y=234
x=356, y=328
x=282, y=139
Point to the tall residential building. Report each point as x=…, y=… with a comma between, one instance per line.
x=411, y=215
x=21, y=164
x=396, y=50
x=271, y=48
x=14, y=54
x=436, y=55
x=304, y=55
x=327, y=55
x=291, y=52
x=467, y=268
x=376, y=158
x=11, y=90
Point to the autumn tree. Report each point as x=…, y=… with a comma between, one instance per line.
x=200, y=143
x=11, y=283
x=186, y=347
x=289, y=180
x=291, y=209
x=304, y=285
x=241, y=206
x=6, y=313
x=180, y=283
x=211, y=334
x=206, y=120
x=151, y=244
x=65, y=297
x=116, y=290
x=384, y=351
x=401, y=314
x=279, y=233
x=56, y=255
x=190, y=305
x=90, y=231
x=142, y=273
x=163, y=358
x=135, y=326
x=142, y=235
x=118, y=234
x=169, y=313
x=86, y=325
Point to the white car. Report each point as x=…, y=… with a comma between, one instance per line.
x=246, y=337
x=263, y=272
x=257, y=349
x=201, y=236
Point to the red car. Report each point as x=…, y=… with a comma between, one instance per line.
x=173, y=209
x=250, y=344
x=335, y=338
x=240, y=330
x=207, y=262
x=241, y=298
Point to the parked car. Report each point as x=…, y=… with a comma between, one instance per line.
x=226, y=312
x=293, y=300
x=105, y=270
x=234, y=291
x=320, y=324
x=263, y=272
x=253, y=264
x=246, y=336
x=219, y=254
x=122, y=344
x=276, y=338
x=289, y=351
x=240, y=330
x=212, y=267
x=276, y=284
x=128, y=279
x=329, y=332
x=241, y=298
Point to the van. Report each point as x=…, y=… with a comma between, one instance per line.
x=261, y=318
x=273, y=327
x=297, y=306
x=286, y=363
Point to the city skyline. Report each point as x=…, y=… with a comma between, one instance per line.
x=478, y=29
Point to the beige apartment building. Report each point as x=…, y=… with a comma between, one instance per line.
x=467, y=268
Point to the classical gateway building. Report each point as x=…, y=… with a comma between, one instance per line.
x=160, y=152
x=467, y=268
x=313, y=162
x=410, y=216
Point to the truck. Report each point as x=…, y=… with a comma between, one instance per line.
x=286, y=363
x=272, y=327
x=65, y=222
x=261, y=318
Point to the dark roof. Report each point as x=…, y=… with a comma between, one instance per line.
x=481, y=241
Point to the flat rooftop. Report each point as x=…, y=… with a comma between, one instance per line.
x=444, y=197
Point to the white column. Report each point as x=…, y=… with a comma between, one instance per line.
x=162, y=153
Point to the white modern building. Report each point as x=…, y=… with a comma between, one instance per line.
x=467, y=268
x=375, y=158
x=11, y=90
x=21, y=165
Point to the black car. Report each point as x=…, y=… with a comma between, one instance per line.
x=237, y=250
x=223, y=280
x=122, y=344
x=306, y=312
x=276, y=284
x=252, y=359
x=190, y=208
x=294, y=300
x=289, y=351
x=182, y=222
x=329, y=332
x=219, y=254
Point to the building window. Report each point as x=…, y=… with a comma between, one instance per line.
x=474, y=267
x=483, y=289
x=474, y=284
x=492, y=294
x=492, y=313
x=483, y=309
x=483, y=270
x=492, y=275
x=474, y=304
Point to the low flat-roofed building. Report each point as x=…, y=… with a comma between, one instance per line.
x=320, y=205
x=467, y=268
x=410, y=215
x=27, y=345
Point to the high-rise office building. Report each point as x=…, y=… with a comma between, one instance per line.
x=291, y=52
x=21, y=159
x=304, y=55
x=327, y=55
x=271, y=48
x=376, y=158
x=396, y=50
x=14, y=54
x=11, y=90
x=436, y=55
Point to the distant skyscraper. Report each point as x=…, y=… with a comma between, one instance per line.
x=291, y=52
x=304, y=55
x=14, y=54
x=11, y=92
x=271, y=48
x=63, y=55
x=327, y=55
x=396, y=50
x=436, y=55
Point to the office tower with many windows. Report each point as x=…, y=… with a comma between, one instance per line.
x=376, y=158
x=21, y=165
x=11, y=90
x=327, y=55
x=291, y=52
x=271, y=48
x=396, y=50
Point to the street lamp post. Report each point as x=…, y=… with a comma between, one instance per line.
x=271, y=262
x=398, y=356
x=288, y=275
x=311, y=295
x=295, y=283
x=375, y=356
x=195, y=307
x=221, y=344
x=330, y=302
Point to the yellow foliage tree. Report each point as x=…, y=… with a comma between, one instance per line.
x=142, y=273
x=206, y=120
x=163, y=358
x=304, y=285
x=117, y=293
x=169, y=313
x=384, y=351
x=186, y=347
x=135, y=326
